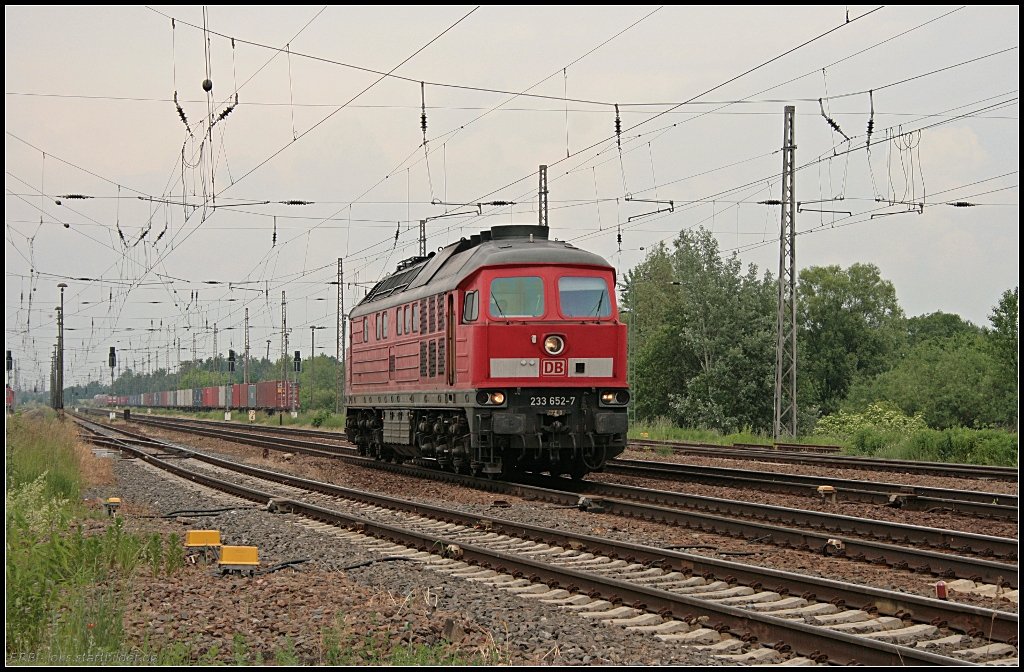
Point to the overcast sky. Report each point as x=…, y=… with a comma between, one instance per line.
x=701, y=91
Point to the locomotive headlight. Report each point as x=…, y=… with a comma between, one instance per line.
x=614, y=397
x=554, y=345
x=490, y=398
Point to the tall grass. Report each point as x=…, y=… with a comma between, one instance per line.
x=63, y=585
x=958, y=445
x=663, y=429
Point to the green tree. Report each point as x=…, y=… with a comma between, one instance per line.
x=1003, y=343
x=938, y=325
x=952, y=382
x=702, y=337
x=850, y=324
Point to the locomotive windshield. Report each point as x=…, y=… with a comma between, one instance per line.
x=584, y=297
x=517, y=297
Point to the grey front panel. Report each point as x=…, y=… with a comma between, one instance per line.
x=515, y=367
x=590, y=367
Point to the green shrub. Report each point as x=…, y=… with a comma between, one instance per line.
x=879, y=416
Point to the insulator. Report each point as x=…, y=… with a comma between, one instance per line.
x=770, y=201
x=76, y=196
x=423, y=113
x=618, y=126
x=181, y=113
x=294, y=202
x=963, y=204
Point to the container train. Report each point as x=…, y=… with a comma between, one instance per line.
x=270, y=395
x=499, y=354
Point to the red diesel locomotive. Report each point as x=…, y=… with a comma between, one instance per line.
x=499, y=354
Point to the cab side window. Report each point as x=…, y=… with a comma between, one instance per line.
x=471, y=307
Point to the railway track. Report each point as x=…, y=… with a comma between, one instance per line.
x=723, y=605
x=784, y=453
x=832, y=461
x=878, y=542
x=916, y=498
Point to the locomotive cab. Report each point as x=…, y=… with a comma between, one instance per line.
x=505, y=355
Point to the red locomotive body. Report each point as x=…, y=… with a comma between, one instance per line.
x=498, y=354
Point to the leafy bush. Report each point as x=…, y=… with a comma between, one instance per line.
x=880, y=417
x=320, y=417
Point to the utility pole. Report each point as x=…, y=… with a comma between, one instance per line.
x=785, y=350
x=542, y=197
x=215, y=353
x=194, y=349
x=53, y=378
x=423, y=237
x=60, y=347
x=284, y=338
x=284, y=346
x=268, y=349
x=245, y=362
x=340, y=346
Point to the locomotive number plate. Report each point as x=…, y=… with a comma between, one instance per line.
x=552, y=401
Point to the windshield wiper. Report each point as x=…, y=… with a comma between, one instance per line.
x=494, y=300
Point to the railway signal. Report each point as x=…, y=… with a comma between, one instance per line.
x=112, y=362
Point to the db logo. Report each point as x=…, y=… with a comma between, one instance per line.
x=553, y=367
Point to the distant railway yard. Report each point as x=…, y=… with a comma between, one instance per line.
x=691, y=557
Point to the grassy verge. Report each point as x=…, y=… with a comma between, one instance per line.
x=664, y=430
x=960, y=445
x=65, y=570
x=320, y=418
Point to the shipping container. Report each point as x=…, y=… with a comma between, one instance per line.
x=268, y=394
x=183, y=398
x=237, y=396
x=197, y=397
x=251, y=395
x=223, y=395
x=209, y=397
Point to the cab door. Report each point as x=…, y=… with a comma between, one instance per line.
x=449, y=338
